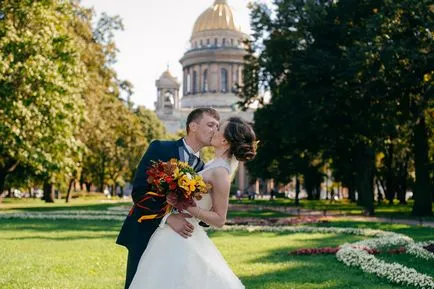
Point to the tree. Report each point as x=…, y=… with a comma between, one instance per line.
x=41, y=80
x=344, y=77
x=152, y=126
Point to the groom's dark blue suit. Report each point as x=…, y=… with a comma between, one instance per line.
x=134, y=235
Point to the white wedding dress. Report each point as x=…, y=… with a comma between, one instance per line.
x=172, y=262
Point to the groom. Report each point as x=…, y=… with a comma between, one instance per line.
x=134, y=235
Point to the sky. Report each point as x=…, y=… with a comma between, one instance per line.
x=156, y=35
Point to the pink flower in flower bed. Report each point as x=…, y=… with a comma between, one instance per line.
x=400, y=250
x=315, y=251
x=334, y=250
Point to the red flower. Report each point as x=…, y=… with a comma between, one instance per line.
x=172, y=186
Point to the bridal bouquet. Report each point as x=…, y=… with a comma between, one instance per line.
x=178, y=181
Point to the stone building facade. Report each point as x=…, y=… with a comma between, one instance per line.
x=212, y=67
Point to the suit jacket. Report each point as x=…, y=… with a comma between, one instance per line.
x=135, y=235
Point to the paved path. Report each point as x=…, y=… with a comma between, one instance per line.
x=334, y=214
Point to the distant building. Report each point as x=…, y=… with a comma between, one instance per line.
x=212, y=67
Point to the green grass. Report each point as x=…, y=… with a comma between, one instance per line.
x=60, y=254
x=36, y=205
x=261, y=261
x=395, y=211
x=416, y=232
x=82, y=254
x=256, y=214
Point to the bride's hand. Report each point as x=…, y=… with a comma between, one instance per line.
x=171, y=199
x=194, y=211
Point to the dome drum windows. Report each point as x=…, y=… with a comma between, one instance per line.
x=224, y=81
x=205, y=81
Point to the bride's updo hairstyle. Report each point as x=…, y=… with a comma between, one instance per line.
x=241, y=139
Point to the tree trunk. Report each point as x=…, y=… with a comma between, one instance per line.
x=380, y=188
x=402, y=183
x=297, y=190
x=365, y=180
x=88, y=185
x=352, y=188
x=308, y=184
x=101, y=176
x=48, y=192
x=10, y=166
x=422, y=189
x=2, y=183
x=390, y=176
x=68, y=194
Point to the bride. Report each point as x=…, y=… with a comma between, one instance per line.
x=173, y=262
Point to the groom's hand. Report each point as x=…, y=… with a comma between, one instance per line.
x=180, y=225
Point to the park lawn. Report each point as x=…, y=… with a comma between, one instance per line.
x=82, y=254
x=256, y=214
x=85, y=202
x=395, y=211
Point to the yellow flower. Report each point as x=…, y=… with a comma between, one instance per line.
x=186, y=183
x=183, y=181
x=176, y=173
x=183, y=165
x=192, y=185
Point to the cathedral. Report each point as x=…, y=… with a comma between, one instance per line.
x=212, y=67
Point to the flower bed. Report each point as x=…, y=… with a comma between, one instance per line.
x=394, y=272
x=334, y=250
x=421, y=250
x=358, y=254
x=355, y=255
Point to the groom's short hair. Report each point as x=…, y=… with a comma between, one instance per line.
x=197, y=114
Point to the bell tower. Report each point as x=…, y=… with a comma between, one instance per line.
x=167, y=94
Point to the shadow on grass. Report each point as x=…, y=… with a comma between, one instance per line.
x=112, y=236
x=256, y=214
x=315, y=272
x=310, y=271
x=421, y=265
x=61, y=207
x=415, y=232
x=59, y=225
x=395, y=211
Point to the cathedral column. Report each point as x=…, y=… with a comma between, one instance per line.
x=219, y=75
x=184, y=86
x=230, y=75
x=191, y=73
x=200, y=79
x=176, y=97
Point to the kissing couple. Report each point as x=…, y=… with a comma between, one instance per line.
x=174, y=251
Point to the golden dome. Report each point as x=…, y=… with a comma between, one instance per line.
x=217, y=17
